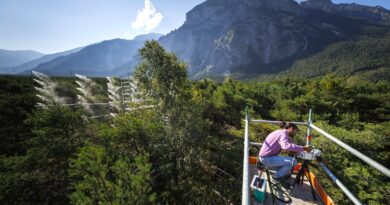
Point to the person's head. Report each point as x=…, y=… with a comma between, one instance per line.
x=291, y=128
x=282, y=124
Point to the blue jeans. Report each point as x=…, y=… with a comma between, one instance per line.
x=282, y=164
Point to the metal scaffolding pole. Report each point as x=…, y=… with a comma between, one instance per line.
x=309, y=121
x=245, y=173
x=341, y=185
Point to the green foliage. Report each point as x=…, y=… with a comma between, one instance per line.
x=17, y=101
x=161, y=76
x=104, y=181
x=368, y=57
x=41, y=174
x=181, y=152
x=115, y=167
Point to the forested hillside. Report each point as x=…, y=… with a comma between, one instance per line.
x=186, y=147
x=369, y=58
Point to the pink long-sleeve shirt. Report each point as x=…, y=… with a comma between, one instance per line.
x=277, y=141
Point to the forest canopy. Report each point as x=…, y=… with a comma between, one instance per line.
x=186, y=146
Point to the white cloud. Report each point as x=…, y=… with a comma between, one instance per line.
x=148, y=19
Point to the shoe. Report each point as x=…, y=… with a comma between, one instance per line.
x=287, y=185
x=284, y=181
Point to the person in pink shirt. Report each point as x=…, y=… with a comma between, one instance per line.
x=277, y=141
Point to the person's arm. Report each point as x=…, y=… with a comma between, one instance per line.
x=287, y=145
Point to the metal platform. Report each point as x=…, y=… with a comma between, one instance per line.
x=301, y=194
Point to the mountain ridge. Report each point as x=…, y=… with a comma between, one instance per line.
x=9, y=58
x=99, y=59
x=375, y=14
x=34, y=63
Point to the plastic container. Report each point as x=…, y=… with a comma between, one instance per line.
x=252, y=159
x=258, y=186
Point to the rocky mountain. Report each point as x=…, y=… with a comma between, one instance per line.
x=221, y=37
x=14, y=58
x=34, y=63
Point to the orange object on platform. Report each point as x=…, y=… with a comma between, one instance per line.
x=320, y=190
x=252, y=159
x=297, y=167
x=317, y=186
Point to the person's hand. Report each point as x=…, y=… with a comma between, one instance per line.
x=307, y=148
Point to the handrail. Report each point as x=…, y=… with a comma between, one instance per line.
x=363, y=157
x=341, y=185
x=245, y=200
x=255, y=144
x=277, y=122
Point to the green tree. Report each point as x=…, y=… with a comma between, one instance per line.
x=41, y=175
x=163, y=79
x=102, y=180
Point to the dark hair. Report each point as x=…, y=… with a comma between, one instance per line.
x=282, y=124
x=289, y=125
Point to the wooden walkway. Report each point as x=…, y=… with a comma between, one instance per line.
x=301, y=194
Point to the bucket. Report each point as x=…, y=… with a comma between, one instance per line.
x=258, y=186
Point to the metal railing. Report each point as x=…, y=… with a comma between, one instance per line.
x=278, y=122
x=339, y=184
x=358, y=154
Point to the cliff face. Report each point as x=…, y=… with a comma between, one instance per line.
x=220, y=36
x=255, y=36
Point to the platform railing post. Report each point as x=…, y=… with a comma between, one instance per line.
x=245, y=173
x=308, y=135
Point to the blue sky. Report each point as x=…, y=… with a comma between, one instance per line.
x=51, y=26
